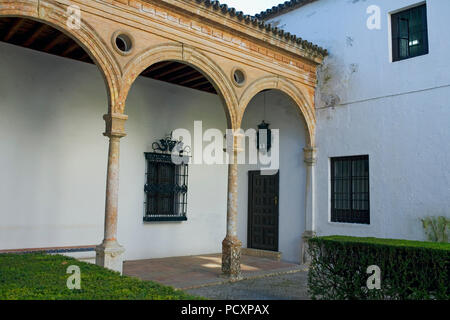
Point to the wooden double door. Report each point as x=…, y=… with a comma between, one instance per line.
x=263, y=213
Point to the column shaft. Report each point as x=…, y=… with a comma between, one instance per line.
x=310, y=219
x=232, y=205
x=109, y=253
x=112, y=189
x=231, y=245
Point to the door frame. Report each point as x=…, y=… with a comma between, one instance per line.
x=251, y=174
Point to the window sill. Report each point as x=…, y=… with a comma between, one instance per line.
x=409, y=58
x=164, y=219
x=349, y=224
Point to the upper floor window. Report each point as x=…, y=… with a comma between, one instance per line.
x=350, y=190
x=409, y=33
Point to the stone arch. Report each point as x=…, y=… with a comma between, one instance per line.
x=55, y=15
x=190, y=56
x=287, y=87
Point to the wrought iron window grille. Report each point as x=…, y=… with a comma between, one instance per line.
x=350, y=193
x=166, y=185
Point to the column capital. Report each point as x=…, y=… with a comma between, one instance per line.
x=234, y=143
x=310, y=156
x=115, y=125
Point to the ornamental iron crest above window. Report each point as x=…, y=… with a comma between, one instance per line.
x=168, y=144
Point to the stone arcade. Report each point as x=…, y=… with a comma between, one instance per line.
x=239, y=55
x=363, y=130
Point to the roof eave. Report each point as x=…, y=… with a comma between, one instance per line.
x=254, y=27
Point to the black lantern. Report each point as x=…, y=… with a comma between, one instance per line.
x=264, y=137
x=264, y=134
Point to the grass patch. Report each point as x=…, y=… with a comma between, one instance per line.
x=38, y=276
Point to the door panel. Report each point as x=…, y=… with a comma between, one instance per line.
x=263, y=211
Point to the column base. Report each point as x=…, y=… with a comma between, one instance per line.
x=231, y=258
x=305, y=258
x=110, y=255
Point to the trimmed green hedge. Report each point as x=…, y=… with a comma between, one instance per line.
x=43, y=277
x=409, y=269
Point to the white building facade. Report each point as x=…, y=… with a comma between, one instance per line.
x=394, y=117
x=395, y=112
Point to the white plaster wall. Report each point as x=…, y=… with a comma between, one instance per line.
x=282, y=114
x=53, y=155
x=53, y=159
x=397, y=113
x=340, y=26
x=409, y=155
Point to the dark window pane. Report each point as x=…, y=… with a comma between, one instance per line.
x=409, y=33
x=350, y=189
x=166, y=188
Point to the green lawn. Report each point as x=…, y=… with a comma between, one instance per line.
x=43, y=277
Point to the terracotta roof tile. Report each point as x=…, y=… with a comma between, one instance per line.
x=258, y=22
x=282, y=8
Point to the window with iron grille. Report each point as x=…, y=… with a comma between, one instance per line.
x=350, y=201
x=166, y=188
x=409, y=33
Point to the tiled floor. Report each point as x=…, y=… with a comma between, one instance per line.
x=202, y=270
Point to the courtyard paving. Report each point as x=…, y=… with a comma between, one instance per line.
x=203, y=272
x=292, y=286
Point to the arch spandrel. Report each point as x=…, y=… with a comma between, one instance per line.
x=184, y=54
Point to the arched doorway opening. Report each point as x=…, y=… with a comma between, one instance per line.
x=271, y=213
x=53, y=154
x=170, y=95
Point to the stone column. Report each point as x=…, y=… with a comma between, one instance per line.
x=310, y=219
x=231, y=245
x=109, y=253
